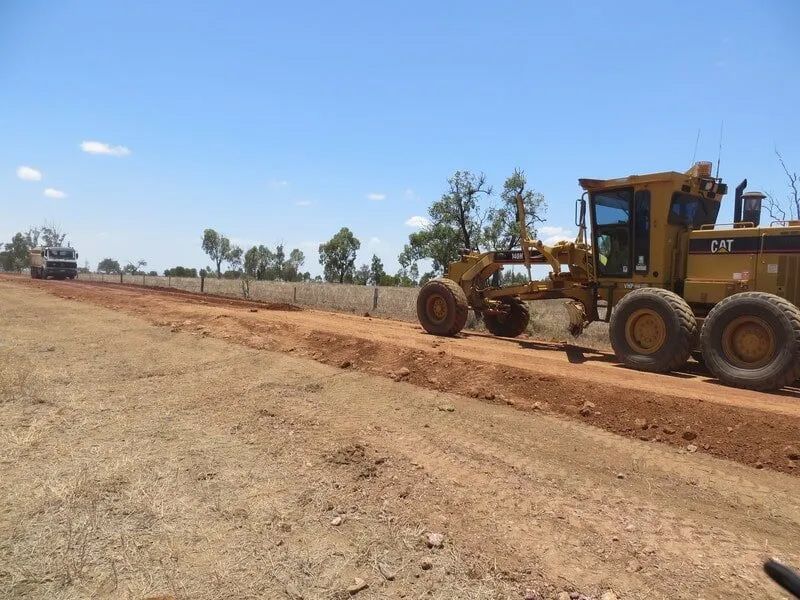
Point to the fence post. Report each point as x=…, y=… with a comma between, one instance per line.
x=143, y=281
x=375, y=298
x=294, y=295
x=169, y=280
x=120, y=276
x=202, y=282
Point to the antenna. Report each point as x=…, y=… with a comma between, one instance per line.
x=697, y=141
x=719, y=154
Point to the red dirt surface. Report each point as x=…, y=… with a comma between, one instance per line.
x=687, y=409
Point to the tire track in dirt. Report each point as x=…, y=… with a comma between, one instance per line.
x=755, y=429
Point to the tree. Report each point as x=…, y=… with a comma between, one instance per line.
x=180, y=272
x=15, y=257
x=338, y=256
x=108, y=265
x=362, y=275
x=502, y=231
x=220, y=249
x=33, y=236
x=52, y=235
x=291, y=266
x=278, y=262
x=778, y=209
x=48, y=234
x=459, y=207
x=376, y=270
x=134, y=268
x=456, y=221
x=440, y=243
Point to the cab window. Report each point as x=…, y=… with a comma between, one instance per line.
x=691, y=211
x=612, y=232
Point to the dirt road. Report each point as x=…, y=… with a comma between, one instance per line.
x=143, y=461
x=688, y=410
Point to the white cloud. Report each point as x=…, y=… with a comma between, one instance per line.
x=376, y=196
x=551, y=234
x=92, y=147
x=29, y=173
x=278, y=183
x=54, y=193
x=409, y=194
x=418, y=222
x=303, y=203
x=374, y=241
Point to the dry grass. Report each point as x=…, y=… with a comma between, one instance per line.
x=548, y=317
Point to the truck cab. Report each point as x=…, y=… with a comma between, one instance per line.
x=641, y=226
x=55, y=262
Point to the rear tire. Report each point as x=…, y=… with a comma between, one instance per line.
x=442, y=307
x=653, y=329
x=512, y=324
x=751, y=340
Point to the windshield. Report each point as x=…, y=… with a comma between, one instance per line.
x=692, y=211
x=61, y=253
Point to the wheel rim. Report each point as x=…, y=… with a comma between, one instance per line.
x=748, y=342
x=436, y=307
x=645, y=331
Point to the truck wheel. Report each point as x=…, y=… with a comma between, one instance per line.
x=752, y=340
x=512, y=323
x=653, y=329
x=442, y=307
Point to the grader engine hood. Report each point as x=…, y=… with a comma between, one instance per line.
x=722, y=262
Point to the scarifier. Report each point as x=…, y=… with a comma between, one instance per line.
x=656, y=265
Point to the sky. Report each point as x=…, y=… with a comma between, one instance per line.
x=136, y=125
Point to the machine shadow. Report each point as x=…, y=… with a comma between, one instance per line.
x=575, y=354
x=584, y=354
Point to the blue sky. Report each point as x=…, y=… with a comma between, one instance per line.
x=284, y=121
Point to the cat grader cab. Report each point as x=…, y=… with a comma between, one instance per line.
x=654, y=263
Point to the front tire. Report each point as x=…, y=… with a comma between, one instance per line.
x=511, y=324
x=442, y=307
x=751, y=340
x=653, y=329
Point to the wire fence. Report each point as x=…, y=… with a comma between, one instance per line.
x=394, y=302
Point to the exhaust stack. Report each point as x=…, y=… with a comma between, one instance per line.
x=737, y=203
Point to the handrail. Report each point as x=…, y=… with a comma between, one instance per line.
x=740, y=225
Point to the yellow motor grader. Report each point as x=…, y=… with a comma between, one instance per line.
x=654, y=263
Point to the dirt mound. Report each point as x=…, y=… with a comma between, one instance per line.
x=685, y=410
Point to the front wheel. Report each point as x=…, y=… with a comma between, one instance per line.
x=442, y=307
x=653, y=329
x=752, y=340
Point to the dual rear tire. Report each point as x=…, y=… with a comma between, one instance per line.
x=749, y=340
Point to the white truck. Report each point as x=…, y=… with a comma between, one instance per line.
x=55, y=262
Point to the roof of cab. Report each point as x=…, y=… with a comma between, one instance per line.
x=601, y=184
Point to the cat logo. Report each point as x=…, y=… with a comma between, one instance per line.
x=721, y=246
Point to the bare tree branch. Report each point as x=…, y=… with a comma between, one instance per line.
x=794, y=187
